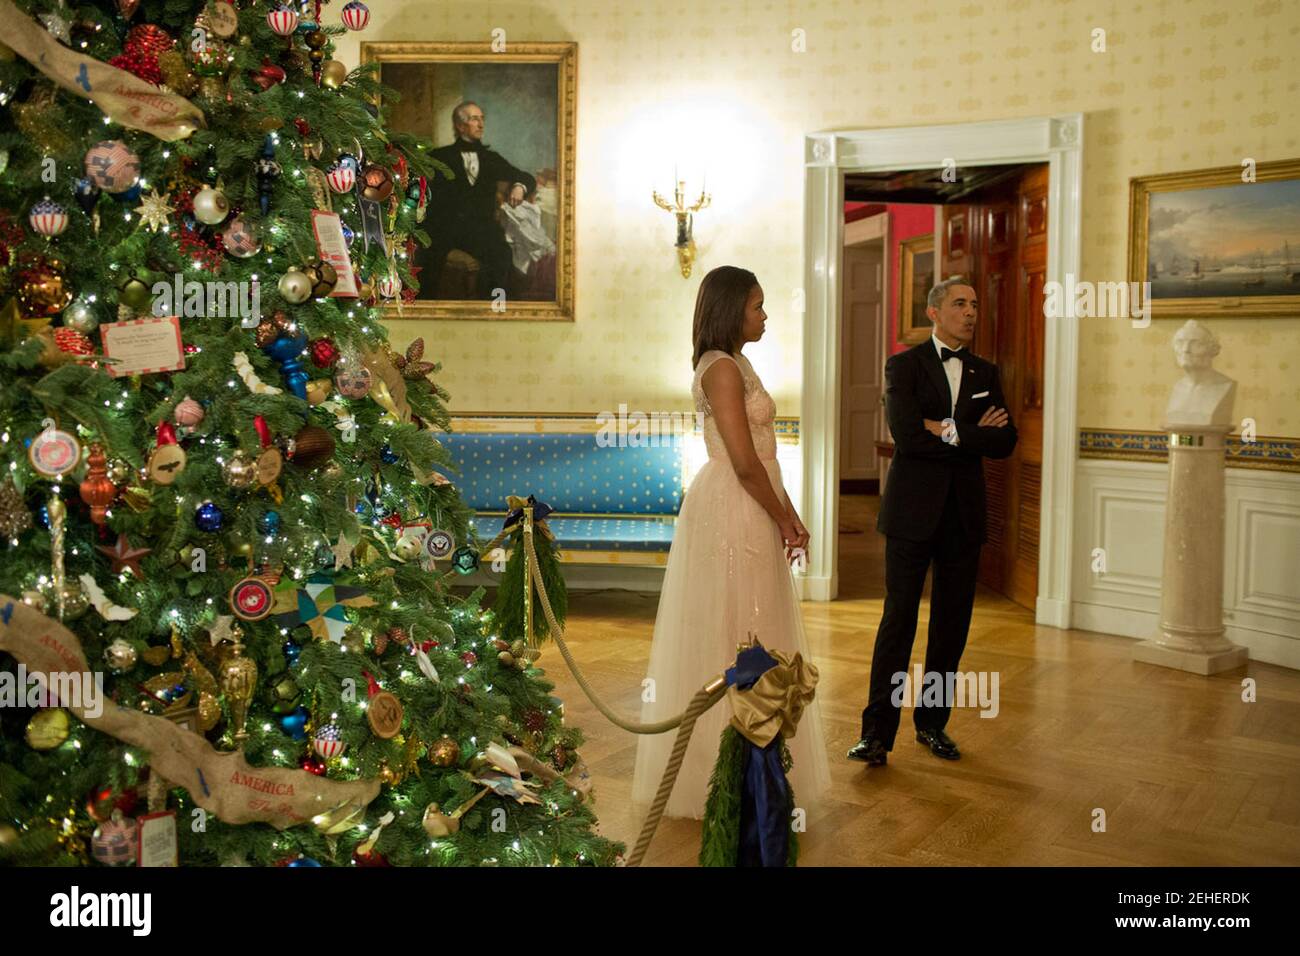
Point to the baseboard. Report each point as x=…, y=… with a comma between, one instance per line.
x=1265, y=647
x=1052, y=612
x=814, y=588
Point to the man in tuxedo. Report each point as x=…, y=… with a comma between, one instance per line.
x=463, y=209
x=947, y=414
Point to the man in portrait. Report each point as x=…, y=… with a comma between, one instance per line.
x=463, y=210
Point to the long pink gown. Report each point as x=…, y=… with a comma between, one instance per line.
x=727, y=575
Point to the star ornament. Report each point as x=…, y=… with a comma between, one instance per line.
x=412, y=367
x=342, y=553
x=154, y=210
x=123, y=556
x=319, y=603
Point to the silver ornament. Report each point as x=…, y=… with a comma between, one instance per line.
x=80, y=316
x=120, y=655
x=210, y=206
x=295, y=287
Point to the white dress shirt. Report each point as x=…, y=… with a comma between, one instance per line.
x=952, y=368
x=471, y=168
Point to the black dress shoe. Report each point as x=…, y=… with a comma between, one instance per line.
x=940, y=744
x=870, y=750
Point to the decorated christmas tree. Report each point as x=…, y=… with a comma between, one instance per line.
x=221, y=493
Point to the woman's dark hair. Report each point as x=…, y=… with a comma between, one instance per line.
x=720, y=310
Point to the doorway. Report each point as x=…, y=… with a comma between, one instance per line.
x=829, y=157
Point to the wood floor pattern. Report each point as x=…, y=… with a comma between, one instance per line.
x=1186, y=772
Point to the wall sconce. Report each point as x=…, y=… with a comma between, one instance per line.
x=685, y=220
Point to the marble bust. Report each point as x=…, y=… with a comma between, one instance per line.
x=1202, y=397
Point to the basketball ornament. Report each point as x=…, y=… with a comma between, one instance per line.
x=251, y=599
x=112, y=166
x=54, y=452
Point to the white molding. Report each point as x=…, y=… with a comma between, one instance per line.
x=828, y=155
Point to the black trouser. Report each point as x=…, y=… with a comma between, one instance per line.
x=955, y=556
x=487, y=244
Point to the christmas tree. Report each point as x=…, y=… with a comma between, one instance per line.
x=221, y=491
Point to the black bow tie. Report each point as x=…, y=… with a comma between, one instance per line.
x=945, y=354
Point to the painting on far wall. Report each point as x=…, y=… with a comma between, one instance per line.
x=916, y=278
x=1211, y=244
x=502, y=227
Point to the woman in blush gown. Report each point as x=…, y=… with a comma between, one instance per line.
x=728, y=569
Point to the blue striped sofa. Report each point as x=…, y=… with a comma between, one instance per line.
x=611, y=505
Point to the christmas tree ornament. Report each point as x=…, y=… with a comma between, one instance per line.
x=282, y=20
x=35, y=599
x=167, y=460
x=318, y=604
x=333, y=74
x=14, y=516
x=295, y=287
x=412, y=365
x=251, y=599
x=121, y=656
x=80, y=316
x=269, y=523
x=211, y=206
x=119, y=472
x=48, y=728
x=286, y=350
x=211, y=62
x=283, y=693
x=176, y=73
x=267, y=75
x=313, y=446
x=408, y=548
x=376, y=183
x=112, y=166
x=244, y=369
x=134, y=294
x=239, y=470
x=42, y=289
x=438, y=544
x=48, y=218
x=114, y=842
x=318, y=390
x=240, y=238
x=389, y=286
x=324, y=353
x=188, y=413
x=53, y=452
x=355, y=15
x=292, y=650
x=469, y=658
x=465, y=560
x=96, y=490
x=238, y=681
x=316, y=41
x=154, y=211
x=267, y=170
x=209, y=517
x=328, y=741
x=388, y=456
x=341, y=178
x=87, y=195
x=294, y=723
x=323, y=277
x=352, y=378
x=312, y=764
x=270, y=462
x=72, y=342
x=444, y=752
x=221, y=18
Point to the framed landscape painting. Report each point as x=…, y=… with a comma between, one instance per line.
x=1212, y=244
x=915, y=278
x=502, y=227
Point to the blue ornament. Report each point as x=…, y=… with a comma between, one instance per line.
x=43, y=516
x=269, y=523
x=348, y=234
x=388, y=456
x=87, y=194
x=287, y=350
x=364, y=509
x=294, y=723
x=292, y=651
x=303, y=861
x=347, y=159
x=209, y=517
x=128, y=195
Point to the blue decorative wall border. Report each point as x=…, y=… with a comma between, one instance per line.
x=1273, y=454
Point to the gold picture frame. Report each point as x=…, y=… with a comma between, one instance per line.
x=915, y=279
x=1204, y=265
x=556, y=206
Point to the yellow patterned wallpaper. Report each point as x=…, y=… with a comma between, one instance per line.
x=716, y=89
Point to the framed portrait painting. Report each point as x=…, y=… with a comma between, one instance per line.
x=1218, y=242
x=915, y=277
x=502, y=226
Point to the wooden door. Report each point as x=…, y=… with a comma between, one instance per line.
x=861, y=367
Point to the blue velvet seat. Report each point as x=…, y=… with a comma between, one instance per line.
x=610, y=503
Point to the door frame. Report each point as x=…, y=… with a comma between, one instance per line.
x=872, y=229
x=828, y=155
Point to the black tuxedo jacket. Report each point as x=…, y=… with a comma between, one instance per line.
x=925, y=467
x=455, y=204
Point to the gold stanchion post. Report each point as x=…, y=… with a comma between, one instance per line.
x=528, y=577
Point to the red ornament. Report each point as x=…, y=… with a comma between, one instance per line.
x=394, y=520
x=148, y=38
x=534, y=720
x=313, y=764
x=373, y=858
x=470, y=658
x=303, y=127
x=268, y=75
x=73, y=342
x=143, y=65
x=324, y=353
x=96, y=490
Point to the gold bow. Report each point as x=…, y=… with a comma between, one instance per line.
x=776, y=701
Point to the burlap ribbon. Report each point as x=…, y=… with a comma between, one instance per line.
x=124, y=98
x=224, y=784
x=776, y=701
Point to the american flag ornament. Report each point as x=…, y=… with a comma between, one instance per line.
x=328, y=742
x=341, y=177
x=282, y=20
x=356, y=15
x=48, y=217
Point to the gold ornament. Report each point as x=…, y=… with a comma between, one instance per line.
x=154, y=211
x=35, y=599
x=318, y=389
x=8, y=835
x=408, y=548
x=438, y=824
x=323, y=277
x=48, y=728
x=238, y=681
x=14, y=516
x=134, y=294
x=121, y=655
x=42, y=289
x=119, y=472
x=239, y=471
x=445, y=752
x=73, y=599
x=333, y=74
